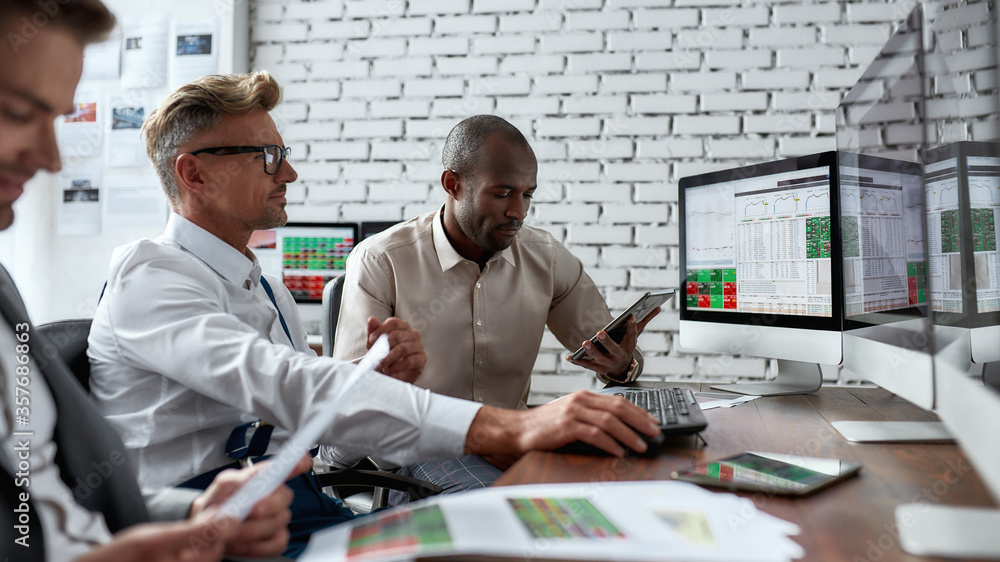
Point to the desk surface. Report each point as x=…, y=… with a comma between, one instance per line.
x=852, y=520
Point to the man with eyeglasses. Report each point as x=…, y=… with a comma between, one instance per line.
x=191, y=340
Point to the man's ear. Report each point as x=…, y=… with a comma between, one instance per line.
x=189, y=173
x=451, y=183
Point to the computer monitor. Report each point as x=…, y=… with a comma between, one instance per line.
x=887, y=331
x=963, y=127
x=371, y=228
x=305, y=255
x=761, y=263
x=963, y=181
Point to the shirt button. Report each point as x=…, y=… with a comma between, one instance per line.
x=479, y=322
x=479, y=361
x=477, y=285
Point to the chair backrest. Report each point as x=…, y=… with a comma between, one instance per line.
x=70, y=339
x=333, y=292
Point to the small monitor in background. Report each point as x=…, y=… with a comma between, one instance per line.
x=761, y=267
x=371, y=228
x=305, y=255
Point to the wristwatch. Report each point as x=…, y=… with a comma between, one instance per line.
x=626, y=376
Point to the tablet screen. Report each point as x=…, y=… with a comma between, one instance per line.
x=770, y=472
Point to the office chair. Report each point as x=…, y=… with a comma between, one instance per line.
x=69, y=337
x=333, y=292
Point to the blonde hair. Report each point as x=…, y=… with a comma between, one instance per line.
x=197, y=107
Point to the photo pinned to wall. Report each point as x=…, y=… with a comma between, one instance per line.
x=125, y=117
x=134, y=201
x=144, y=52
x=80, y=202
x=80, y=133
x=103, y=61
x=195, y=50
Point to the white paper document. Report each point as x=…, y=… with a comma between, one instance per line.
x=144, y=52
x=102, y=61
x=80, y=202
x=126, y=114
x=280, y=465
x=711, y=400
x=80, y=133
x=131, y=202
x=590, y=521
x=195, y=50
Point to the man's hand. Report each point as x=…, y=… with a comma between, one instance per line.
x=618, y=358
x=602, y=420
x=406, y=357
x=264, y=533
x=201, y=539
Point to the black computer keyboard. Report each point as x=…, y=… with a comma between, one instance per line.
x=675, y=408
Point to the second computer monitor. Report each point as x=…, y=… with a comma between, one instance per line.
x=305, y=255
x=761, y=264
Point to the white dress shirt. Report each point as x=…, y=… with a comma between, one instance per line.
x=481, y=329
x=70, y=530
x=186, y=345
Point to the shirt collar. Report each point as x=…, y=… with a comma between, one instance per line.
x=233, y=265
x=448, y=256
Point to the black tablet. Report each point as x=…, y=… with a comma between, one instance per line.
x=640, y=309
x=770, y=472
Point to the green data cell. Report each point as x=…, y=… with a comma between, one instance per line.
x=950, y=239
x=984, y=235
x=852, y=247
x=818, y=237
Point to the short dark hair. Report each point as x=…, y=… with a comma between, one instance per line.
x=461, y=153
x=89, y=21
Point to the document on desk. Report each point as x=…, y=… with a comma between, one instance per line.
x=706, y=400
x=589, y=521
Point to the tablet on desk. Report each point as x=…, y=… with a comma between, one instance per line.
x=640, y=309
x=770, y=472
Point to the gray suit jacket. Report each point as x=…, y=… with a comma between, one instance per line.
x=91, y=457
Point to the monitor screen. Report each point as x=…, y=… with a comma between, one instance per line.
x=305, y=255
x=941, y=183
x=981, y=162
x=761, y=241
x=883, y=238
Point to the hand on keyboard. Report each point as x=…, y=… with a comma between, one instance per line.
x=676, y=410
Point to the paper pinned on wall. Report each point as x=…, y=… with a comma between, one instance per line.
x=80, y=205
x=80, y=133
x=144, y=52
x=103, y=61
x=194, y=49
x=131, y=202
x=125, y=116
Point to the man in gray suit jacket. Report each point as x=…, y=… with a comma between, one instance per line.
x=65, y=480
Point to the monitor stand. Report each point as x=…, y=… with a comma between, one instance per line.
x=893, y=432
x=794, y=377
x=948, y=531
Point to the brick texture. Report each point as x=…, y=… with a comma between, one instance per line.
x=619, y=99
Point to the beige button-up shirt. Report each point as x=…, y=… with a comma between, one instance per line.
x=481, y=330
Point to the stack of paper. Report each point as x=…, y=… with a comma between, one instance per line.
x=591, y=521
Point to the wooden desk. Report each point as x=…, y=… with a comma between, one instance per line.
x=853, y=520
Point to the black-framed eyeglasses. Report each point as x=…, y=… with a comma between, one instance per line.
x=273, y=154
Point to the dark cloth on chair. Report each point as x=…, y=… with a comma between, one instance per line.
x=312, y=510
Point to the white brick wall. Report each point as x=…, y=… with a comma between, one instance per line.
x=619, y=99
